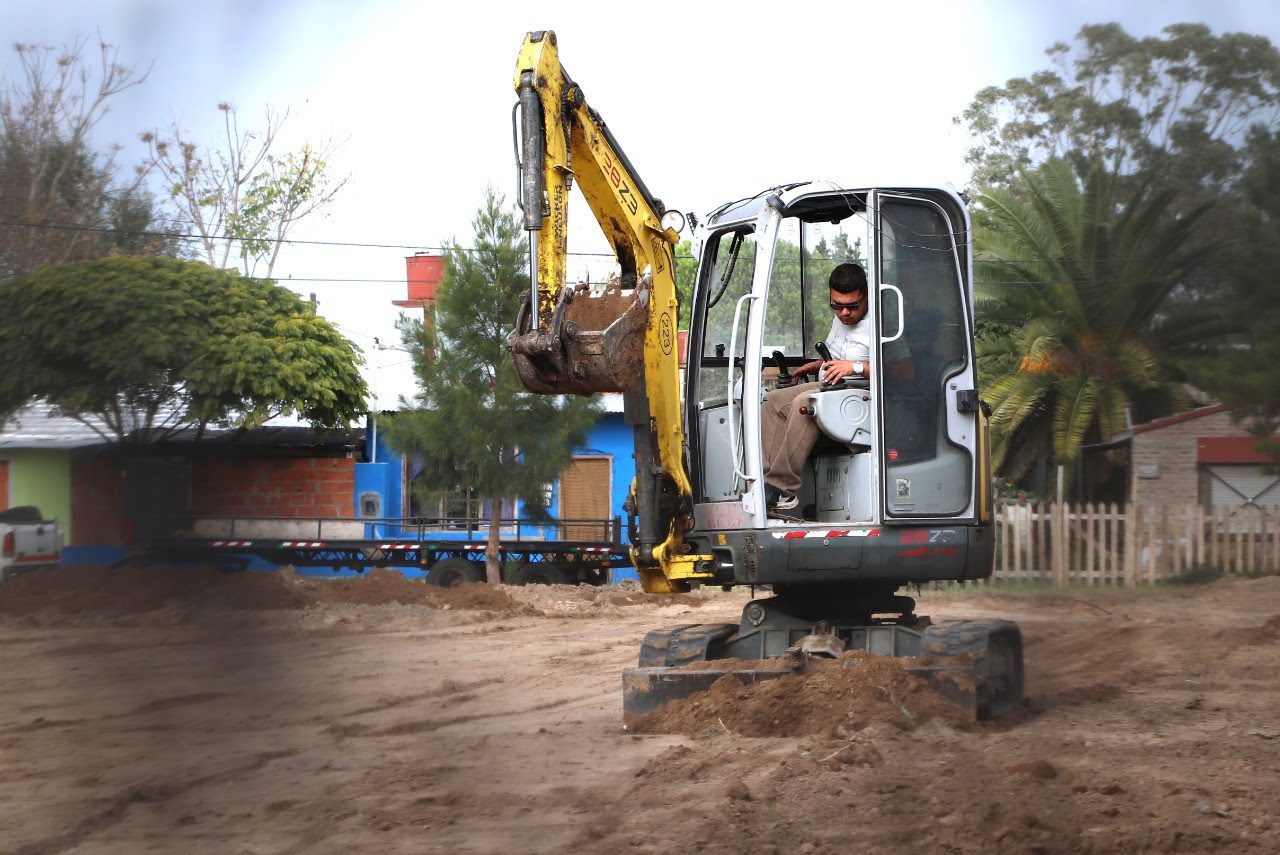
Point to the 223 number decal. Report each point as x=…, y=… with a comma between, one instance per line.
x=625, y=193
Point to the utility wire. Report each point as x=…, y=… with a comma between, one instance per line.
x=4, y=221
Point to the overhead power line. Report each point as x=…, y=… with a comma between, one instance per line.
x=4, y=221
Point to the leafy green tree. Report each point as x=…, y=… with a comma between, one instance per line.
x=60, y=199
x=1072, y=284
x=471, y=422
x=1183, y=102
x=150, y=345
x=1239, y=367
x=1195, y=109
x=686, y=273
x=245, y=198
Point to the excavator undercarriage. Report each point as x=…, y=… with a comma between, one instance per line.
x=977, y=664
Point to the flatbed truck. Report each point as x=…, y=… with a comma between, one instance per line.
x=450, y=551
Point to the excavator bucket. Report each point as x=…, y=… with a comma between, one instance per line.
x=594, y=343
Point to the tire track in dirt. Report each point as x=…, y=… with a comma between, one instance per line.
x=148, y=708
x=446, y=689
x=342, y=731
x=150, y=791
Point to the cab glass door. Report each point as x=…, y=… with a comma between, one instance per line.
x=927, y=446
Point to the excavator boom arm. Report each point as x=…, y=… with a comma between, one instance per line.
x=574, y=340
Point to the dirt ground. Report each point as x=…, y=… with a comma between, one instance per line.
x=152, y=711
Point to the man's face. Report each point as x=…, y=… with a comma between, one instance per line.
x=849, y=308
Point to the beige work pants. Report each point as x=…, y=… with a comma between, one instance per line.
x=786, y=436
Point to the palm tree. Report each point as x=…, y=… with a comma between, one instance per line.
x=1072, y=292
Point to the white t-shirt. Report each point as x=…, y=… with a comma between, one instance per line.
x=850, y=342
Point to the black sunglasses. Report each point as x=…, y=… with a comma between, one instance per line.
x=851, y=307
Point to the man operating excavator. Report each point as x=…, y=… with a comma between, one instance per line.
x=787, y=434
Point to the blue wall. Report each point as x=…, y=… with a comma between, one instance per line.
x=383, y=473
x=610, y=437
x=613, y=438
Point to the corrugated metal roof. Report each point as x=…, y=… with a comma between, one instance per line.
x=1178, y=418
x=270, y=436
x=35, y=426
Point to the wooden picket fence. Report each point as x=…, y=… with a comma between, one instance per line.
x=1096, y=544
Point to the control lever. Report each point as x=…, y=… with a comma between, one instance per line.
x=846, y=382
x=784, y=376
x=825, y=353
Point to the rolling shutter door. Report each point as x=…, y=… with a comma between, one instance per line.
x=584, y=495
x=1235, y=485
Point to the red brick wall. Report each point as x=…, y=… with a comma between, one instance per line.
x=97, y=501
x=273, y=487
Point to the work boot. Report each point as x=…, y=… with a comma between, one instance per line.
x=776, y=500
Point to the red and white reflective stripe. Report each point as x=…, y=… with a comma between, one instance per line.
x=303, y=543
x=440, y=545
x=230, y=544
x=839, y=532
x=39, y=558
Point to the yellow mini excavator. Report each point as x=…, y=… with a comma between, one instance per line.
x=897, y=488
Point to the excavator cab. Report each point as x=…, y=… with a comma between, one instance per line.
x=904, y=449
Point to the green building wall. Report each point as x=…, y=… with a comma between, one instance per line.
x=43, y=479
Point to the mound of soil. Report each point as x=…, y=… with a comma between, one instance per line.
x=828, y=698
x=130, y=589
x=126, y=589
x=588, y=601
x=382, y=586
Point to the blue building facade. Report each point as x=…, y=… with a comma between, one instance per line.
x=382, y=483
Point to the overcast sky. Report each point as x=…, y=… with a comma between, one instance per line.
x=711, y=102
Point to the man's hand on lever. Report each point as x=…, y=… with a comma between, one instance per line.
x=835, y=370
x=810, y=367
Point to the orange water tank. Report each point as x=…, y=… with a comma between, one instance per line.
x=424, y=272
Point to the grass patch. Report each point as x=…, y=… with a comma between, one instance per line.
x=1202, y=575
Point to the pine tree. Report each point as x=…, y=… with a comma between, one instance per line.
x=471, y=423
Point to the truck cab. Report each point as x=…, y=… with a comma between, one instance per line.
x=27, y=541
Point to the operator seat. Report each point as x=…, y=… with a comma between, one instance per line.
x=841, y=459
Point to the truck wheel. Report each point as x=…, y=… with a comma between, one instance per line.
x=452, y=572
x=546, y=574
